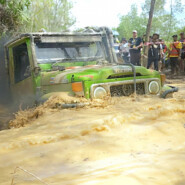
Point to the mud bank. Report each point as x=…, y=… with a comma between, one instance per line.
x=119, y=141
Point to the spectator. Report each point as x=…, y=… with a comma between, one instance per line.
x=174, y=55
x=163, y=54
x=135, y=44
x=124, y=49
x=182, y=60
x=154, y=52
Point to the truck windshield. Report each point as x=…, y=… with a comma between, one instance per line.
x=53, y=52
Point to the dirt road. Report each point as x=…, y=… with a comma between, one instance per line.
x=119, y=141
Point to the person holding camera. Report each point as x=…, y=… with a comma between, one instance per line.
x=135, y=44
x=154, y=52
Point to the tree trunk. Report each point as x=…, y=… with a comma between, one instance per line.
x=145, y=57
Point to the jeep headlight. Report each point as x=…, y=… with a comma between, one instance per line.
x=153, y=87
x=99, y=92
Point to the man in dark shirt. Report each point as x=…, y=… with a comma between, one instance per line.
x=154, y=52
x=135, y=48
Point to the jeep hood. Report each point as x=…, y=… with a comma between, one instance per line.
x=93, y=72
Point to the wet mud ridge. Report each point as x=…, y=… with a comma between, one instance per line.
x=137, y=141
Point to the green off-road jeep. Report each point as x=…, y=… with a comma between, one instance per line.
x=83, y=64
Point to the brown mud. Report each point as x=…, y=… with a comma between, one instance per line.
x=126, y=140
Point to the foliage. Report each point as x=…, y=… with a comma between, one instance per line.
x=12, y=14
x=32, y=15
x=180, y=30
x=164, y=22
x=159, y=8
x=52, y=15
x=132, y=21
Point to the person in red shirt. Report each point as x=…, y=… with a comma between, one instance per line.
x=174, y=54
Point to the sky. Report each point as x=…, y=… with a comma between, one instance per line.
x=103, y=12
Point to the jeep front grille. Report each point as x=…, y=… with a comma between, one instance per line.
x=127, y=89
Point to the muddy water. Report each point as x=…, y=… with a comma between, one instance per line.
x=119, y=141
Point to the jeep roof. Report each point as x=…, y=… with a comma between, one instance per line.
x=52, y=34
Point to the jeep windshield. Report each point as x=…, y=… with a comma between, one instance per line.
x=66, y=52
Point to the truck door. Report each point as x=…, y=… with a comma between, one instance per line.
x=21, y=79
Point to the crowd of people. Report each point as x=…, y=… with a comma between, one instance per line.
x=159, y=54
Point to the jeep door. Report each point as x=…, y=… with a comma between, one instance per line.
x=21, y=78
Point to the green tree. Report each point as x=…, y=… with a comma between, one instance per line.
x=52, y=15
x=131, y=21
x=182, y=29
x=159, y=8
x=164, y=22
x=12, y=14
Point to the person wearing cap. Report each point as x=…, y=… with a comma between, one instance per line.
x=154, y=52
x=135, y=44
x=174, y=54
x=124, y=49
x=182, y=60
